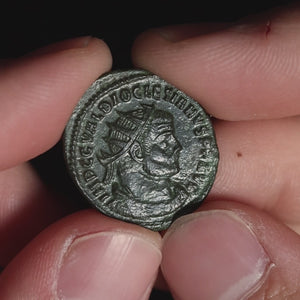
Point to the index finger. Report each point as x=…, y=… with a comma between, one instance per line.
x=243, y=72
x=38, y=93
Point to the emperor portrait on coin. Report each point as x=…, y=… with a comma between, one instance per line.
x=141, y=150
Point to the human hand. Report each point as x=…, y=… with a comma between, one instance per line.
x=85, y=255
x=244, y=241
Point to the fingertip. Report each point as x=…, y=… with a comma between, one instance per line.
x=108, y=265
x=111, y=260
x=102, y=51
x=226, y=257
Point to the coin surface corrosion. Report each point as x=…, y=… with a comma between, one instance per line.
x=140, y=150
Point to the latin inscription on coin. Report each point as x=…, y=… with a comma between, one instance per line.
x=140, y=150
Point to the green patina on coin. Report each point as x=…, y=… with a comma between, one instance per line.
x=140, y=150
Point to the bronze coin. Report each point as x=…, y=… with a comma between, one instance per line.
x=141, y=150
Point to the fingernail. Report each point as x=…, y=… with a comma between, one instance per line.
x=179, y=33
x=74, y=43
x=79, y=42
x=217, y=255
x=108, y=265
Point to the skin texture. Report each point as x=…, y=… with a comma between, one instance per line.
x=243, y=243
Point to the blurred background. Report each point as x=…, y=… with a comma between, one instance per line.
x=27, y=25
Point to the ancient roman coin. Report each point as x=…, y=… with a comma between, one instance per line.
x=141, y=150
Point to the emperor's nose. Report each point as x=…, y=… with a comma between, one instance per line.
x=174, y=143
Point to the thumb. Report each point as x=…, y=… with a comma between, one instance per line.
x=85, y=256
x=230, y=251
